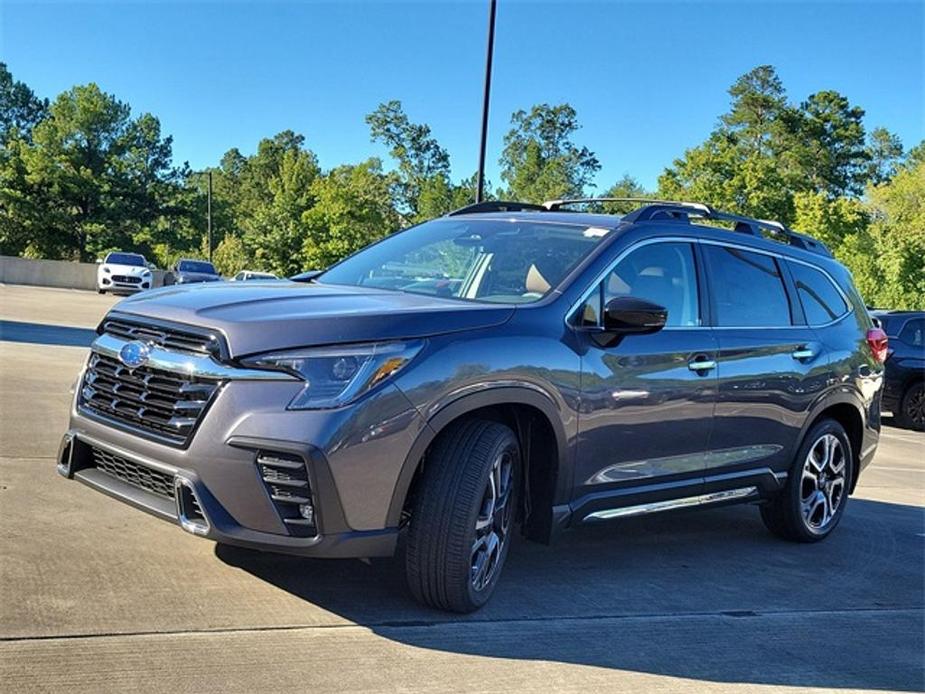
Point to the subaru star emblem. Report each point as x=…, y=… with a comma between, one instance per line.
x=134, y=354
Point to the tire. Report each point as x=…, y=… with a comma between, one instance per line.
x=100, y=291
x=912, y=407
x=456, y=545
x=799, y=513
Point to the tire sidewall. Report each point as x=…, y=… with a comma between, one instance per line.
x=904, y=418
x=794, y=501
x=507, y=442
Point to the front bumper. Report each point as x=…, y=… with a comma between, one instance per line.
x=353, y=456
x=111, y=284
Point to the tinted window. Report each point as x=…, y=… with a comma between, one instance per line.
x=822, y=303
x=914, y=333
x=663, y=273
x=125, y=259
x=747, y=288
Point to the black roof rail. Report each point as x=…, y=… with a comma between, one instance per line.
x=684, y=211
x=496, y=206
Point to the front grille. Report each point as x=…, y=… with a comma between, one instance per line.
x=164, y=403
x=132, y=473
x=126, y=279
x=286, y=481
x=168, y=338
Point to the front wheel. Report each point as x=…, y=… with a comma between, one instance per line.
x=463, y=516
x=100, y=291
x=813, y=500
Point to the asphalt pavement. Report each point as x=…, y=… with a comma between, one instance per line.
x=98, y=597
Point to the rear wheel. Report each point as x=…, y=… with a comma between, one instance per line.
x=462, y=519
x=912, y=407
x=813, y=500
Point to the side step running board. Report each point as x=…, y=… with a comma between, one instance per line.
x=671, y=504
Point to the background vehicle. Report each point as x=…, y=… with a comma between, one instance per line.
x=245, y=275
x=186, y=271
x=904, y=386
x=123, y=273
x=585, y=367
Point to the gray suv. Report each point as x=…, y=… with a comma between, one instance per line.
x=506, y=366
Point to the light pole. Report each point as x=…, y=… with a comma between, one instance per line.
x=480, y=184
x=209, y=215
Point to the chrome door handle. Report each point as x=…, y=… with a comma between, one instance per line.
x=703, y=365
x=803, y=354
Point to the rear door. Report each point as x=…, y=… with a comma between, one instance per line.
x=771, y=366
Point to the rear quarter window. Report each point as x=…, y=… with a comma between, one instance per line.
x=822, y=302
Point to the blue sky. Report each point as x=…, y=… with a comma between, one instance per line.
x=648, y=79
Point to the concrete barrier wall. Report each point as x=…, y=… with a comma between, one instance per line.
x=55, y=273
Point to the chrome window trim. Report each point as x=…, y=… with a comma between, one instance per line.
x=188, y=364
x=726, y=244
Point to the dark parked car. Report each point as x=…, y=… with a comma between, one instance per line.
x=587, y=367
x=191, y=271
x=904, y=387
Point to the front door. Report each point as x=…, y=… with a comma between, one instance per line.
x=646, y=400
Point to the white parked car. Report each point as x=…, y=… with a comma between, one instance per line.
x=253, y=275
x=123, y=272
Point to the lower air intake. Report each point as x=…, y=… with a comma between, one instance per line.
x=286, y=479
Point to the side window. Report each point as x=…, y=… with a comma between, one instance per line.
x=747, y=287
x=914, y=333
x=664, y=273
x=822, y=302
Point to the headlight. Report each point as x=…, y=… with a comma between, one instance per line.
x=106, y=269
x=336, y=376
x=146, y=273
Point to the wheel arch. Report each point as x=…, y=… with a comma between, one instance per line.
x=536, y=419
x=845, y=410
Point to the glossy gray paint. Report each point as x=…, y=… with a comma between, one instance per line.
x=632, y=424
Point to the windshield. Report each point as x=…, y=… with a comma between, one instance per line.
x=196, y=266
x=486, y=260
x=126, y=259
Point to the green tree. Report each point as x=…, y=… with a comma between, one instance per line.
x=540, y=161
x=898, y=235
x=423, y=165
x=230, y=256
x=353, y=208
x=626, y=187
x=90, y=180
x=835, y=159
x=885, y=153
x=20, y=108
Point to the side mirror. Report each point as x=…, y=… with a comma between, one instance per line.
x=629, y=315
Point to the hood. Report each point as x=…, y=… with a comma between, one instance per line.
x=117, y=269
x=274, y=315
x=188, y=276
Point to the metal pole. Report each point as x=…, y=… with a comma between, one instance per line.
x=480, y=185
x=209, y=215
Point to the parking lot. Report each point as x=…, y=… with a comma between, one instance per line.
x=98, y=597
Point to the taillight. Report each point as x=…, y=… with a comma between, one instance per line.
x=879, y=344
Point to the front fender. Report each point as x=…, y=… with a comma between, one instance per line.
x=440, y=416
